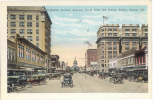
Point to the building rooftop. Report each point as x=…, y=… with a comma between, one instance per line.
x=124, y=25
x=18, y=8
x=30, y=8
x=91, y=49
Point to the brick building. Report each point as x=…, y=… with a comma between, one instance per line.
x=91, y=56
x=22, y=54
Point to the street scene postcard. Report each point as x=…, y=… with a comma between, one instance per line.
x=76, y=50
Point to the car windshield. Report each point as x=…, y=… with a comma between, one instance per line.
x=67, y=76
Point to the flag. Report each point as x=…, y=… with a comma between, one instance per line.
x=90, y=44
x=105, y=17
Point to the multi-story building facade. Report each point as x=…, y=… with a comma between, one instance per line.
x=55, y=61
x=144, y=35
x=141, y=57
x=21, y=53
x=113, y=63
x=128, y=59
x=91, y=56
x=108, y=37
x=32, y=23
x=130, y=37
x=112, y=40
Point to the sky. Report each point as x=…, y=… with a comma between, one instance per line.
x=70, y=29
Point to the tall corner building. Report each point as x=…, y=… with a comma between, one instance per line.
x=108, y=37
x=31, y=22
x=113, y=39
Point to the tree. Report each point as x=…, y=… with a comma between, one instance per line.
x=74, y=69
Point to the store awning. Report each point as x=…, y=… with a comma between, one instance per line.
x=31, y=66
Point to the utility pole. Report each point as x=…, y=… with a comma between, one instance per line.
x=85, y=65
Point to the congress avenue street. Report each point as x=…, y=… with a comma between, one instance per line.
x=86, y=84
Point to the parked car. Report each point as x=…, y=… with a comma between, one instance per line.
x=67, y=80
x=71, y=73
x=117, y=78
x=56, y=76
x=103, y=75
x=12, y=83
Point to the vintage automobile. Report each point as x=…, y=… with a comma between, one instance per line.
x=12, y=83
x=39, y=78
x=67, y=80
x=102, y=75
x=56, y=76
x=71, y=73
x=49, y=76
x=24, y=78
x=112, y=79
x=142, y=78
x=133, y=77
x=91, y=73
x=117, y=78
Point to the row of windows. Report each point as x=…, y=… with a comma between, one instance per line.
x=126, y=34
x=109, y=56
x=22, y=17
x=128, y=43
x=22, y=31
x=127, y=29
x=110, y=34
x=128, y=60
x=128, y=47
x=140, y=60
x=28, y=54
x=114, y=48
x=110, y=29
x=21, y=24
x=10, y=54
x=109, y=43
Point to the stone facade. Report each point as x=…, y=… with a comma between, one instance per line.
x=112, y=40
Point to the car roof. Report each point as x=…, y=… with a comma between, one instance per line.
x=67, y=74
x=13, y=77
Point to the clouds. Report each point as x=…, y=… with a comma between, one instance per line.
x=69, y=39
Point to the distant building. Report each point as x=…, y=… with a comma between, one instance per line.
x=91, y=56
x=75, y=65
x=55, y=62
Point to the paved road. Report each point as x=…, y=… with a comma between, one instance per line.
x=89, y=85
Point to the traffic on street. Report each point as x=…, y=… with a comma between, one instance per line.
x=85, y=83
